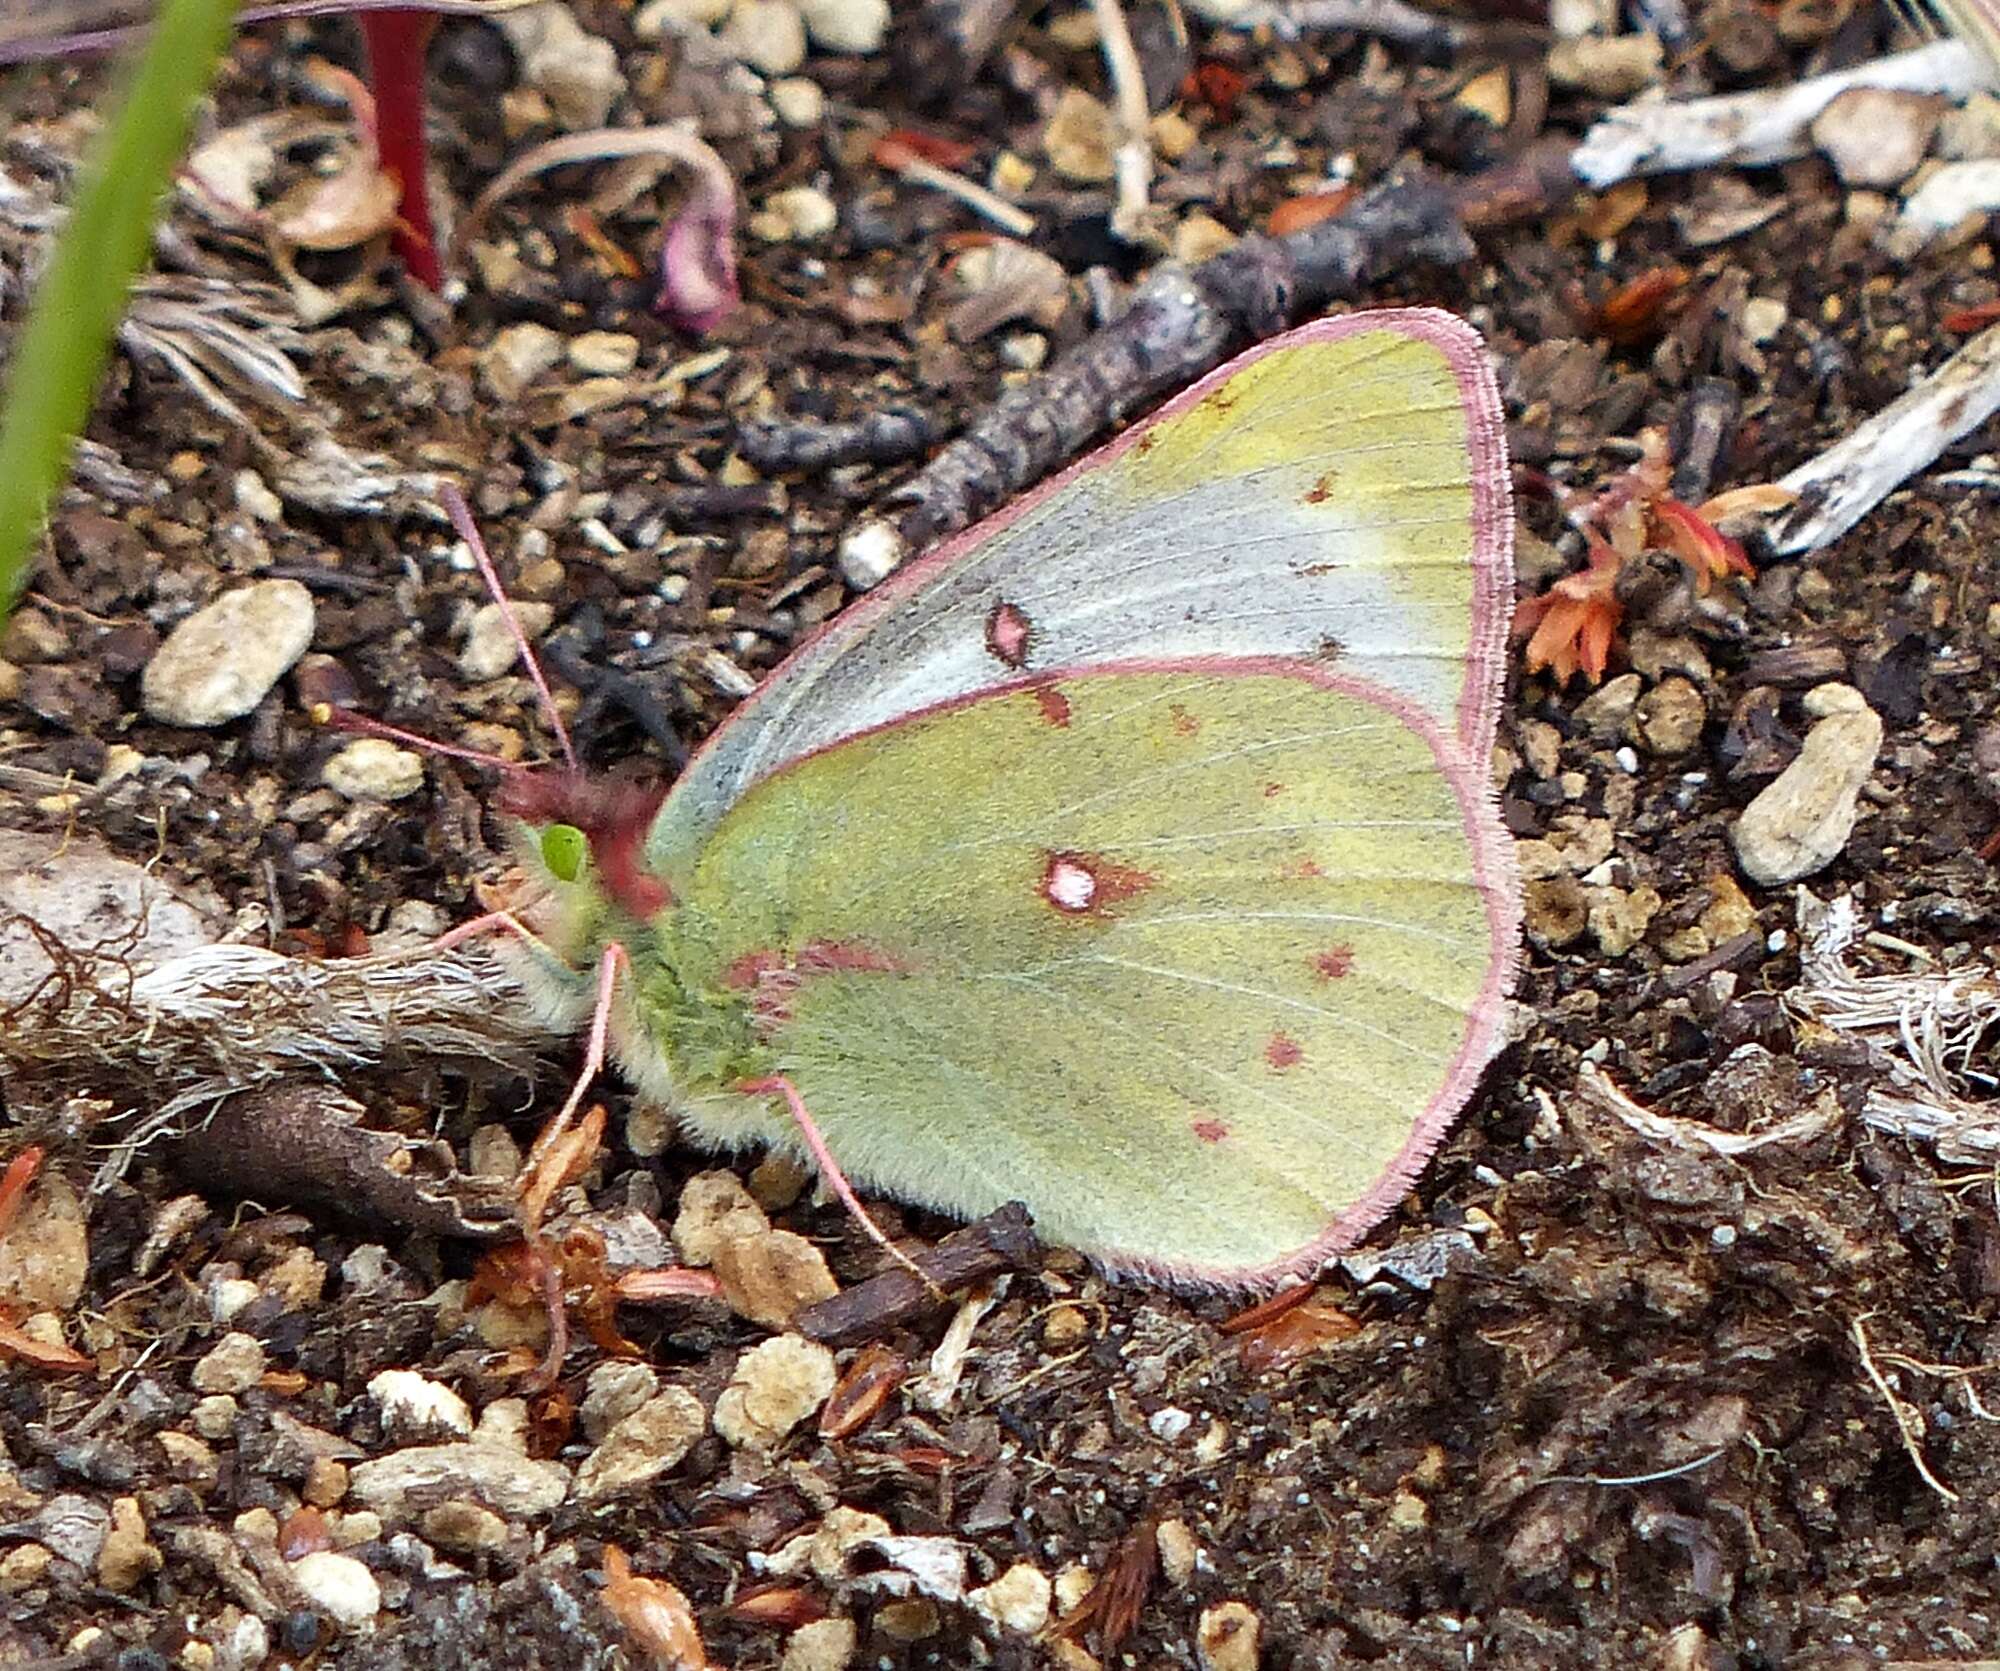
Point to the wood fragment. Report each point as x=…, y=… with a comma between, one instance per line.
x=1392, y=20
x=1001, y=1241
x=1181, y=323
x=1847, y=481
x=885, y=437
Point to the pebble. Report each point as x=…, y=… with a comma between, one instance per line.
x=1876, y=136
x=25, y=1566
x=871, y=553
x=797, y=101
x=677, y=17
x=1227, y=1637
x=824, y=1645
x=1618, y=919
x=1180, y=1553
x=127, y=1554
x=777, y=1385
x=1081, y=138
x=462, y=1527
x=643, y=1446
x=416, y=1410
x=495, y=1474
x=714, y=1209
x=614, y=1390
x=772, y=1276
x=1799, y=823
x=325, y=1482
x=794, y=215
x=234, y=1364
x=1611, y=66
x=768, y=35
x=490, y=649
x=338, y=1586
x=577, y=72
x=222, y=661
x=374, y=769
x=516, y=356
x=603, y=354
x=214, y=1417
x=1018, y=1600
x=1606, y=711
x=1952, y=194
x=255, y=498
x=857, y=26
x=1763, y=317
x=1669, y=717
x=1554, y=910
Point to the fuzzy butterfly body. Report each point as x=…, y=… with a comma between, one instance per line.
x=1133, y=856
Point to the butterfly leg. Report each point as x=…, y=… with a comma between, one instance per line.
x=829, y=1169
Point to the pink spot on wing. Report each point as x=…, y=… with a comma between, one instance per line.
x=1087, y=884
x=1302, y=869
x=1273, y=790
x=1284, y=1052
x=1009, y=633
x=1184, y=723
x=1054, y=705
x=1335, y=963
x=1210, y=1131
x=772, y=979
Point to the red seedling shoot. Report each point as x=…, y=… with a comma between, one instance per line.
x=396, y=43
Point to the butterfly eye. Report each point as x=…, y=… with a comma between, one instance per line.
x=565, y=850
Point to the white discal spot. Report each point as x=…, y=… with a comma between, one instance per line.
x=1069, y=885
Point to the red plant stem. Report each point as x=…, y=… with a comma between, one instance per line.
x=396, y=42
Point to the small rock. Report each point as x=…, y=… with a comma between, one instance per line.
x=603, y=354
x=824, y=1551
x=1606, y=711
x=914, y=1620
x=374, y=769
x=1729, y=912
x=45, y=1252
x=1669, y=717
x=1081, y=138
x=127, y=1555
x=797, y=101
x=490, y=649
x=776, y=1386
x=1800, y=821
x=255, y=498
x=714, y=1209
x=464, y=1528
x=1611, y=66
x=1018, y=1600
x=516, y=356
x=1763, y=317
x=795, y=215
x=768, y=35
x=1200, y=237
x=25, y=1566
x=338, y=1586
x=575, y=71
x=1970, y=130
x=1618, y=919
x=772, y=1276
x=1876, y=136
x=1833, y=697
x=870, y=554
x=496, y=1475
x=677, y=17
x=1180, y=1554
x=856, y=26
x=824, y=1645
x=222, y=661
x=1555, y=911
x=1226, y=1637
x=643, y=1446
x=1541, y=748
x=1952, y=195
x=416, y=1410
x=615, y=1389
x=234, y=1364
x=214, y=1417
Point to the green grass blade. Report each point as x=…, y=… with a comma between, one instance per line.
x=59, y=357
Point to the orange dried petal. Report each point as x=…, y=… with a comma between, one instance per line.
x=655, y=1615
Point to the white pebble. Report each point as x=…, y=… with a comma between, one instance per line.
x=222, y=661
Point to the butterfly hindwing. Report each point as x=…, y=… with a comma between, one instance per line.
x=1196, y=959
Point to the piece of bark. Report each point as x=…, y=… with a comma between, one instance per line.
x=1001, y=1241
x=1180, y=324
x=885, y=437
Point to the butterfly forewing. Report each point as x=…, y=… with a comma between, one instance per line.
x=1337, y=497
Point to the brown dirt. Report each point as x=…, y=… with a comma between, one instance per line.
x=1632, y=1427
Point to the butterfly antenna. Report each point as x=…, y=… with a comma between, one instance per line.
x=362, y=725
x=460, y=513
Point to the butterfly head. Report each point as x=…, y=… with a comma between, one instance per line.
x=591, y=830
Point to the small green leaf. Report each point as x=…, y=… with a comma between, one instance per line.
x=59, y=357
x=565, y=850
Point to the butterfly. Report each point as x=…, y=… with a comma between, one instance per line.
x=1133, y=856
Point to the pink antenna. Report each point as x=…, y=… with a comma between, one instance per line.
x=363, y=725
x=460, y=513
